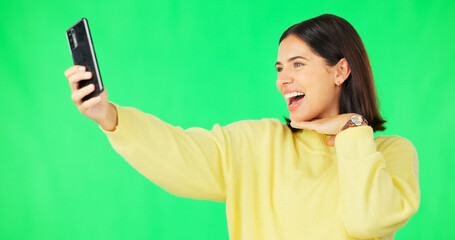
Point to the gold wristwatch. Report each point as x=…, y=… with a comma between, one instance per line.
x=355, y=121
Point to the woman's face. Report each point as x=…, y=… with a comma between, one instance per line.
x=305, y=74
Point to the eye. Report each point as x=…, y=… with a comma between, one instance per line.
x=297, y=64
x=278, y=69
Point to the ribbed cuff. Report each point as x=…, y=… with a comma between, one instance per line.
x=355, y=142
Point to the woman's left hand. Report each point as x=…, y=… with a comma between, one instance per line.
x=329, y=126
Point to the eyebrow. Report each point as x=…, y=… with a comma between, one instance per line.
x=292, y=58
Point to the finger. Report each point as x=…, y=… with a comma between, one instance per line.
x=89, y=104
x=81, y=93
x=73, y=69
x=76, y=78
x=303, y=125
x=331, y=140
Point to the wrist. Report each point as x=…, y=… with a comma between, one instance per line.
x=109, y=121
x=355, y=120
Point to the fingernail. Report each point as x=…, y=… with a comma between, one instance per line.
x=87, y=74
x=81, y=68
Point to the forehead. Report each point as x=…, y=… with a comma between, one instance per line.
x=293, y=46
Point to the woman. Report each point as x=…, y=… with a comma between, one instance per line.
x=332, y=180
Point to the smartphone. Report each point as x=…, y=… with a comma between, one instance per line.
x=83, y=52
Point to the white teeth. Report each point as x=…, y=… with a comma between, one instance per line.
x=293, y=94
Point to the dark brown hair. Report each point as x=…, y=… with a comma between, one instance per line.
x=333, y=38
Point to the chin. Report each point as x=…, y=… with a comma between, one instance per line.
x=301, y=117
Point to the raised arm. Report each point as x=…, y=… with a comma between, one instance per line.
x=378, y=180
x=191, y=163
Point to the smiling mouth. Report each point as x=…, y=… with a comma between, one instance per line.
x=294, y=97
x=295, y=100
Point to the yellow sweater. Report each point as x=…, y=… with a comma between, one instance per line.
x=278, y=184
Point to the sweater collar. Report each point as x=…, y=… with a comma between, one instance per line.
x=314, y=141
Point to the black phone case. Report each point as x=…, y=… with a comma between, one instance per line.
x=83, y=52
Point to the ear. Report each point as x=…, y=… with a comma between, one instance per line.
x=342, y=71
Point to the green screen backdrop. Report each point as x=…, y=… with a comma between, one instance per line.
x=196, y=63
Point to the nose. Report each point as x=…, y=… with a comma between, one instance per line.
x=283, y=78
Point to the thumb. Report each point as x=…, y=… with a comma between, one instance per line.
x=331, y=140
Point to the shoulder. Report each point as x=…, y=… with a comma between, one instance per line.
x=257, y=127
x=264, y=122
x=393, y=142
x=398, y=149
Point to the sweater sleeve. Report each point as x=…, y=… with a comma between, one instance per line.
x=378, y=181
x=191, y=163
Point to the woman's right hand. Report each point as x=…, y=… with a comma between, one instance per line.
x=98, y=108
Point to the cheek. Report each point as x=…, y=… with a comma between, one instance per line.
x=320, y=95
x=322, y=100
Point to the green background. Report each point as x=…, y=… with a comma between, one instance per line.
x=195, y=63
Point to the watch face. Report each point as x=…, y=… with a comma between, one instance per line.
x=356, y=119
